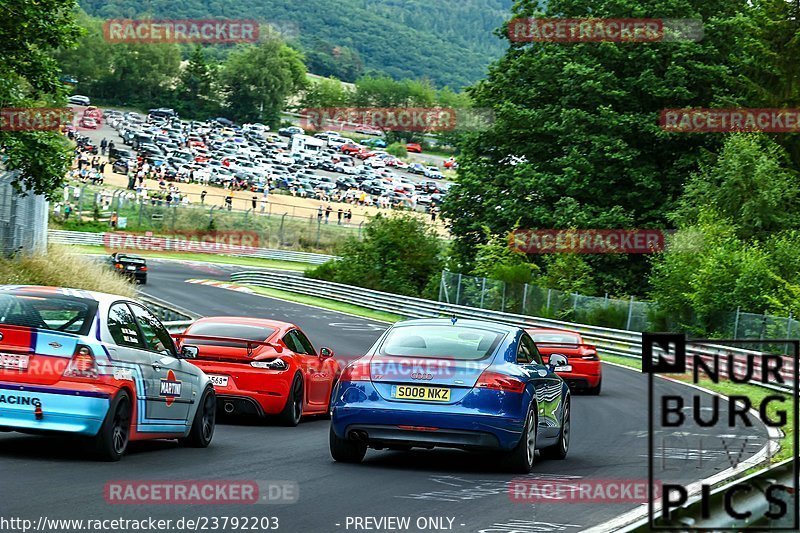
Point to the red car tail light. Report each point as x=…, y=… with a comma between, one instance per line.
x=497, y=381
x=143, y=269
x=83, y=364
x=118, y=265
x=355, y=371
x=589, y=353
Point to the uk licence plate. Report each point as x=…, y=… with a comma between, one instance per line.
x=219, y=381
x=14, y=361
x=407, y=392
x=563, y=368
x=131, y=268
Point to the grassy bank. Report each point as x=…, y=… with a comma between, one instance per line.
x=60, y=268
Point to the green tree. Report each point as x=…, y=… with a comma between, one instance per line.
x=90, y=60
x=142, y=73
x=325, y=93
x=749, y=185
x=29, y=77
x=399, y=254
x=197, y=92
x=258, y=80
x=737, y=241
x=495, y=259
x=576, y=140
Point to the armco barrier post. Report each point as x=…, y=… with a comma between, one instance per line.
x=280, y=230
x=630, y=314
x=80, y=204
x=524, y=298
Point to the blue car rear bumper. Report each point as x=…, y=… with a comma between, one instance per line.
x=408, y=423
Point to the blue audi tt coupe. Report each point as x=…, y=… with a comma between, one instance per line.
x=468, y=384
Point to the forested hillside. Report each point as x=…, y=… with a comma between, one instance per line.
x=449, y=42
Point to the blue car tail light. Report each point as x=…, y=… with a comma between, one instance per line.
x=497, y=381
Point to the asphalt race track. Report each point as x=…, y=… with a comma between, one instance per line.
x=58, y=479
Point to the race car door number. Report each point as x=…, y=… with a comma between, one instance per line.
x=14, y=361
x=219, y=381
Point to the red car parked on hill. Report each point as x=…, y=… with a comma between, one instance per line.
x=583, y=371
x=263, y=367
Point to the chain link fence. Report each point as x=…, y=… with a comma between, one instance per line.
x=23, y=219
x=278, y=227
x=627, y=314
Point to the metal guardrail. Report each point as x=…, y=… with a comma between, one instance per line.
x=166, y=244
x=609, y=341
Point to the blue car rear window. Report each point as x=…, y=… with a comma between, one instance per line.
x=441, y=342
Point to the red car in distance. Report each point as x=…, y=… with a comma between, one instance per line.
x=263, y=367
x=350, y=149
x=583, y=371
x=415, y=148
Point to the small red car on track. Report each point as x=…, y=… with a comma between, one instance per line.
x=583, y=371
x=263, y=367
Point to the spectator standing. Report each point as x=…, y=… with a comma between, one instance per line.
x=339, y=217
x=254, y=202
x=103, y=146
x=319, y=214
x=328, y=211
x=203, y=197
